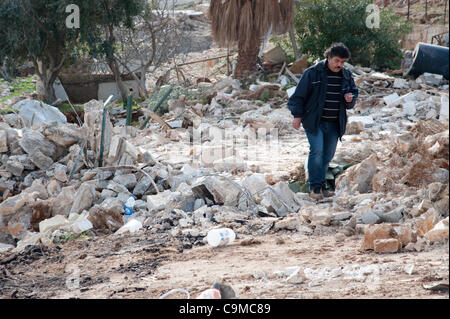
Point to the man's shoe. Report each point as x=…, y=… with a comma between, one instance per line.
x=316, y=194
x=326, y=193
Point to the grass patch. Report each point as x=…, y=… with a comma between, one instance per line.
x=18, y=87
x=65, y=108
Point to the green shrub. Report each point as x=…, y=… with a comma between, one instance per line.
x=345, y=21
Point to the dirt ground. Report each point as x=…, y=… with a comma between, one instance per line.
x=150, y=263
x=147, y=265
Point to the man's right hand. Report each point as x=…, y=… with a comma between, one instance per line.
x=297, y=122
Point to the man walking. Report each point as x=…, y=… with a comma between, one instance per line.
x=324, y=93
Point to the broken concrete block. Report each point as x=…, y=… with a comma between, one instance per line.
x=391, y=245
x=60, y=174
x=393, y=216
x=322, y=217
x=81, y=225
x=13, y=204
x=421, y=208
x=405, y=234
x=40, y=160
x=341, y=216
x=228, y=164
x=15, y=168
x=370, y=218
x=255, y=183
x=432, y=79
x=63, y=135
x=53, y=223
x=131, y=150
x=287, y=196
x=271, y=201
x=288, y=223
x=148, y=159
x=127, y=180
x=439, y=232
x=374, y=232
x=358, y=178
x=33, y=141
x=131, y=227
x=63, y=203
x=426, y=222
x=218, y=189
x=399, y=83
x=409, y=108
x=107, y=193
x=115, y=187
x=83, y=199
x=391, y=98
x=142, y=186
x=105, y=219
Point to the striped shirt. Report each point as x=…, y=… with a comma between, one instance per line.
x=333, y=99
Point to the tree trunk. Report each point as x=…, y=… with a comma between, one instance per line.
x=117, y=77
x=49, y=93
x=46, y=81
x=247, y=59
x=294, y=41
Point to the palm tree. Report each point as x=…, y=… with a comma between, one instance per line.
x=245, y=23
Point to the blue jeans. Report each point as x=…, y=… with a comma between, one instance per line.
x=322, y=149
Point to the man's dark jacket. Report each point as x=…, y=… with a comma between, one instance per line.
x=308, y=100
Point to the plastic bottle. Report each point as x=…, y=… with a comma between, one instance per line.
x=129, y=205
x=220, y=237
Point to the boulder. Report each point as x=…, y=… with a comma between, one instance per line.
x=33, y=111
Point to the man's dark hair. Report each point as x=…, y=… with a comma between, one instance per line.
x=338, y=49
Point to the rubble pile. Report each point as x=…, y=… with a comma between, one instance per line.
x=396, y=193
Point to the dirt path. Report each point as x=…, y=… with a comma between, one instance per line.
x=147, y=265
